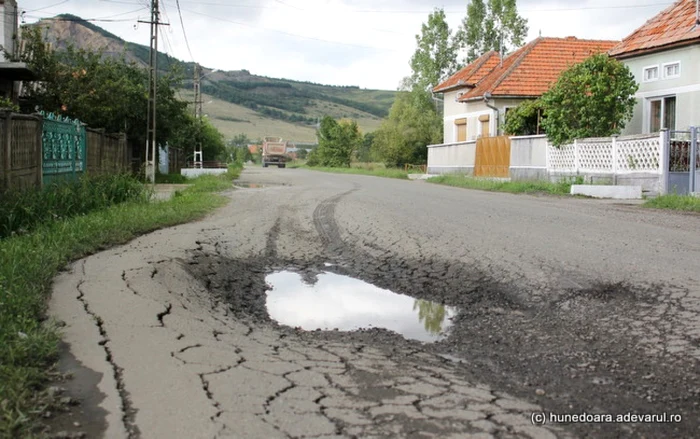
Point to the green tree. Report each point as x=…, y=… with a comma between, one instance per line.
x=594, y=98
x=110, y=93
x=191, y=131
x=240, y=140
x=302, y=153
x=491, y=25
x=412, y=124
x=432, y=315
x=364, y=153
x=525, y=119
x=337, y=142
x=435, y=57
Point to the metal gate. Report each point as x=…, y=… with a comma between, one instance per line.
x=684, y=158
x=64, y=149
x=492, y=157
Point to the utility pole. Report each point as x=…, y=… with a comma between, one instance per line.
x=152, y=92
x=198, y=115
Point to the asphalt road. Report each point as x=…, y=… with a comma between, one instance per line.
x=562, y=307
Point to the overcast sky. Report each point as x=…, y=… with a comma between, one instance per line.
x=367, y=43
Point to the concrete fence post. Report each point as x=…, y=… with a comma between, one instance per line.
x=577, y=157
x=615, y=165
x=692, y=183
x=8, y=149
x=664, y=160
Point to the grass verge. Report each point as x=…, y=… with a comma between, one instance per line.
x=514, y=187
x=686, y=203
x=28, y=264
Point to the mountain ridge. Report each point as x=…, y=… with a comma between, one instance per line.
x=244, y=102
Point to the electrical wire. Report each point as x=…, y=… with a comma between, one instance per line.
x=49, y=7
x=184, y=33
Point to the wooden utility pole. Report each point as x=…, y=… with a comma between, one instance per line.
x=152, y=93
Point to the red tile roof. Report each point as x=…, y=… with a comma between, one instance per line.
x=532, y=69
x=676, y=25
x=470, y=75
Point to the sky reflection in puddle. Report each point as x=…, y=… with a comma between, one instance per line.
x=342, y=302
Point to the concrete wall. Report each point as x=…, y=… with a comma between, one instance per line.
x=452, y=158
x=686, y=88
x=528, y=157
x=8, y=27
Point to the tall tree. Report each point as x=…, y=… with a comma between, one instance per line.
x=337, y=142
x=412, y=124
x=594, y=98
x=494, y=25
x=435, y=57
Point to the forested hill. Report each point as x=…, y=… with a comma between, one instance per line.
x=238, y=101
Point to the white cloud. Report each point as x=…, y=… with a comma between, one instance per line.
x=340, y=42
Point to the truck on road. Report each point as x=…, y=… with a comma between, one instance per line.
x=274, y=152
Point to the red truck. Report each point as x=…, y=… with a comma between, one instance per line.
x=274, y=152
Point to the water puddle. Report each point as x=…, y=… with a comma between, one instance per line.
x=343, y=303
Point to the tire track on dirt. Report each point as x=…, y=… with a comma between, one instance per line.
x=324, y=221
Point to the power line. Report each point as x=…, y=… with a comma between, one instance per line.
x=182, y=24
x=50, y=6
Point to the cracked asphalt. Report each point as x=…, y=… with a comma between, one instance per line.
x=568, y=306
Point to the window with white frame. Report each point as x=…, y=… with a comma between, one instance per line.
x=651, y=73
x=662, y=113
x=672, y=70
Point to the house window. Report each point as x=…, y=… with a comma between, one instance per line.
x=662, y=114
x=651, y=73
x=461, y=125
x=672, y=70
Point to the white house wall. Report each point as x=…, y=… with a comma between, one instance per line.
x=472, y=111
x=686, y=87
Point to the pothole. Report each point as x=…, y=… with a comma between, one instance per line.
x=331, y=301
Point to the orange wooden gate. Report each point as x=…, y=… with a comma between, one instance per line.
x=492, y=157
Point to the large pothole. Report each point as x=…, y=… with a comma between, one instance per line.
x=335, y=302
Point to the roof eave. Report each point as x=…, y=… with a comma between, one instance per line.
x=478, y=98
x=16, y=71
x=453, y=88
x=652, y=50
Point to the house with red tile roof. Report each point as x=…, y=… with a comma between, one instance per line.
x=477, y=98
x=664, y=56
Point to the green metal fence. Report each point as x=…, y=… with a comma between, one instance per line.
x=64, y=148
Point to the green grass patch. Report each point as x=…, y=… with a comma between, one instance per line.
x=171, y=179
x=515, y=187
x=686, y=203
x=21, y=211
x=367, y=170
x=28, y=264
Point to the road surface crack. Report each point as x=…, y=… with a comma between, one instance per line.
x=128, y=411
